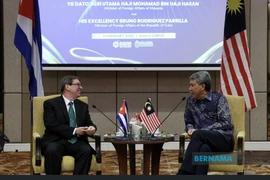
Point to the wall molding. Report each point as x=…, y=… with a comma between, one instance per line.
x=106, y=146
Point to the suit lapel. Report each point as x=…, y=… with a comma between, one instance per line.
x=63, y=107
x=77, y=110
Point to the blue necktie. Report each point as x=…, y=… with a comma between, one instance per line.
x=72, y=120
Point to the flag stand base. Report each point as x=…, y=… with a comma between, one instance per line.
x=154, y=138
x=122, y=138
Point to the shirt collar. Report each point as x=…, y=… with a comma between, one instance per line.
x=207, y=97
x=66, y=100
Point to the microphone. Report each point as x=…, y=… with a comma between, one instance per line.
x=153, y=137
x=117, y=137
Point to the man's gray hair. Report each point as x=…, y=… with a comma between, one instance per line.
x=66, y=80
x=202, y=77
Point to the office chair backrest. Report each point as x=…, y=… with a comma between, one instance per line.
x=38, y=123
x=237, y=108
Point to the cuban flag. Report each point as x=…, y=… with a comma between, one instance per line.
x=122, y=117
x=28, y=42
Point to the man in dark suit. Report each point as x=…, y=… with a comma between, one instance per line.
x=63, y=136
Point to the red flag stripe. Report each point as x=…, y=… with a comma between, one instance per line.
x=151, y=121
x=154, y=120
x=229, y=69
x=144, y=119
x=248, y=74
x=26, y=9
x=245, y=47
x=233, y=53
x=225, y=88
x=243, y=72
x=224, y=78
x=238, y=71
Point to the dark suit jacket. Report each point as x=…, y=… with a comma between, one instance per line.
x=56, y=120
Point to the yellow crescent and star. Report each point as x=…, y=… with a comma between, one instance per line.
x=234, y=6
x=147, y=105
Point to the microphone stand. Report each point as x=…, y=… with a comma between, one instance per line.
x=118, y=138
x=160, y=138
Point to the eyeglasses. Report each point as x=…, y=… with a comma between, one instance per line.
x=78, y=84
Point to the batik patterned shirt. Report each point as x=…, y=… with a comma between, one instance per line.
x=211, y=113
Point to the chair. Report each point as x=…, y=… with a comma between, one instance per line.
x=237, y=108
x=38, y=131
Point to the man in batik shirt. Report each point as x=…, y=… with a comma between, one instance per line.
x=208, y=123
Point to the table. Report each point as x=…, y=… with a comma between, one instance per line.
x=151, y=148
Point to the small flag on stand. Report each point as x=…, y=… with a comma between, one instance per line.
x=122, y=117
x=149, y=117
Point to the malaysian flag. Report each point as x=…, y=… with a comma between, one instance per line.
x=122, y=116
x=28, y=42
x=235, y=74
x=149, y=117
